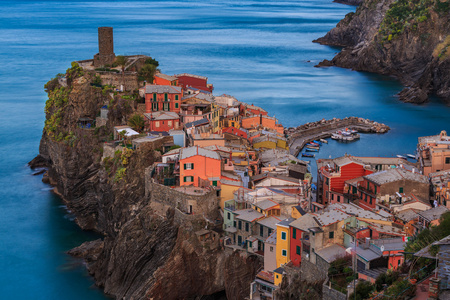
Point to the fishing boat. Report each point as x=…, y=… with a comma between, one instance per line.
x=308, y=155
x=401, y=156
x=312, y=147
x=345, y=135
x=411, y=156
x=324, y=141
x=312, y=150
x=312, y=144
x=318, y=142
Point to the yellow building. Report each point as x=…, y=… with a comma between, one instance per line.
x=278, y=276
x=297, y=212
x=215, y=117
x=283, y=242
x=227, y=189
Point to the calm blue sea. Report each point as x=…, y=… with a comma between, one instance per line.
x=259, y=51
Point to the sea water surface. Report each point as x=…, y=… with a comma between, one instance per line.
x=258, y=51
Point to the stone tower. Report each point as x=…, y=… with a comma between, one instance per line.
x=105, y=55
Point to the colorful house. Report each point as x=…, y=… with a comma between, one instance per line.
x=199, y=167
x=278, y=276
x=207, y=139
x=332, y=175
x=298, y=235
x=196, y=81
x=227, y=189
x=235, y=131
x=270, y=249
x=163, y=79
x=162, y=121
x=283, y=248
x=162, y=97
x=433, y=152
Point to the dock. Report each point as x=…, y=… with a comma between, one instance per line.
x=300, y=136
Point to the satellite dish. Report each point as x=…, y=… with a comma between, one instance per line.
x=382, y=248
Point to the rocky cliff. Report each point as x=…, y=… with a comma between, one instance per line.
x=407, y=39
x=143, y=255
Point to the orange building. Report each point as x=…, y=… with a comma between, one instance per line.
x=199, y=167
x=162, y=98
x=163, y=79
x=434, y=153
x=263, y=121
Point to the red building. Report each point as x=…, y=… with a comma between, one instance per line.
x=199, y=82
x=162, y=98
x=163, y=79
x=332, y=175
x=162, y=121
x=235, y=131
x=299, y=237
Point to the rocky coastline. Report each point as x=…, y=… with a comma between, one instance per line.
x=390, y=38
x=143, y=254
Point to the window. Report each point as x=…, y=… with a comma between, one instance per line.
x=250, y=244
x=283, y=235
x=368, y=185
x=294, y=233
x=331, y=234
x=239, y=239
x=188, y=178
x=375, y=189
x=240, y=224
x=176, y=97
x=229, y=216
x=399, y=262
x=189, y=166
x=247, y=228
x=327, y=182
x=176, y=124
x=270, y=231
x=400, y=190
x=284, y=252
x=214, y=183
x=332, y=196
x=261, y=230
x=338, y=198
x=234, y=224
x=370, y=200
x=165, y=97
x=447, y=160
x=154, y=97
x=157, y=123
x=354, y=189
x=271, y=249
x=169, y=123
x=297, y=250
x=176, y=105
x=277, y=276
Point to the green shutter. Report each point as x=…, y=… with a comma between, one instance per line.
x=176, y=97
x=185, y=167
x=176, y=105
x=192, y=166
x=294, y=233
x=400, y=190
x=154, y=97
x=184, y=179
x=297, y=250
x=165, y=97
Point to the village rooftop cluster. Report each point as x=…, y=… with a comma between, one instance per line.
x=366, y=207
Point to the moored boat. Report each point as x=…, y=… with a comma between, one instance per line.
x=312, y=150
x=401, y=156
x=411, y=156
x=318, y=142
x=308, y=155
x=324, y=141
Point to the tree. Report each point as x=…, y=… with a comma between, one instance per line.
x=136, y=122
x=122, y=62
x=363, y=290
x=147, y=72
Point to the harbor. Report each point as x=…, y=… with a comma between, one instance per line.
x=300, y=136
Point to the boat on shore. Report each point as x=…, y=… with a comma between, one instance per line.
x=324, y=141
x=312, y=144
x=308, y=155
x=345, y=135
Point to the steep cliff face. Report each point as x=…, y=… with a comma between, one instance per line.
x=406, y=39
x=143, y=255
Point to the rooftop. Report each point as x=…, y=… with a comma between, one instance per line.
x=161, y=89
x=285, y=222
x=248, y=215
x=193, y=151
x=272, y=239
x=167, y=77
x=355, y=210
x=407, y=215
x=270, y=222
x=305, y=222
x=266, y=204
x=162, y=115
x=330, y=217
x=396, y=174
x=332, y=252
x=433, y=214
x=197, y=123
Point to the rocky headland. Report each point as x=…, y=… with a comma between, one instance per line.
x=406, y=39
x=144, y=254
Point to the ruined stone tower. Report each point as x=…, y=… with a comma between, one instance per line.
x=105, y=55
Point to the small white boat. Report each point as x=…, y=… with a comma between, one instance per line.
x=411, y=156
x=401, y=156
x=324, y=141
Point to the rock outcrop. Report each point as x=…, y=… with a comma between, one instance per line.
x=143, y=254
x=407, y=39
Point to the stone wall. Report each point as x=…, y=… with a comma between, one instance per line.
x=328, y=293
x=129, y=80
x=162, y=197
x=312, y=273
x=444, y=266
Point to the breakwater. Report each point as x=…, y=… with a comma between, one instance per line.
x=300, y=135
